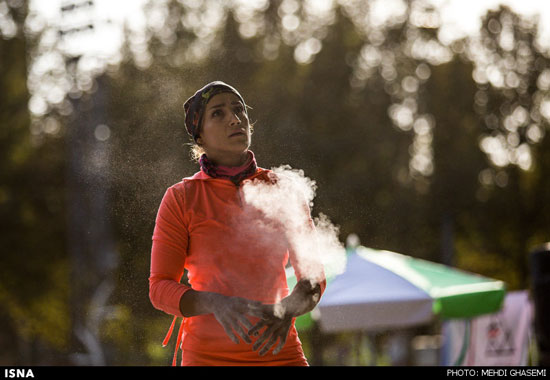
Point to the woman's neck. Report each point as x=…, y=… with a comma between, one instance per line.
x=229, y=160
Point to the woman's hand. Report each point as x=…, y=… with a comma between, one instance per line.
x=277, y=318
x=278, y=322
x=230, y=312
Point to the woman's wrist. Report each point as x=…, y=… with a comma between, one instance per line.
x=194, y=302
x=303, y=299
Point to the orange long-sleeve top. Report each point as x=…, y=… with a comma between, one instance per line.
x=203, y=226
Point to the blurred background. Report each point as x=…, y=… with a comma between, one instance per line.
x=424, y=123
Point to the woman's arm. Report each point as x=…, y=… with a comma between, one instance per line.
x=168, y=255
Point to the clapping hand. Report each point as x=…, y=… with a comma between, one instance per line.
x=277, y=318
x=277, y=321
x=231, y=313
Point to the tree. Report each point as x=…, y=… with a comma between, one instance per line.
x=33, y=282
x=510, y=70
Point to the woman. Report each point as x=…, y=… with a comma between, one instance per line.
x=237, y=306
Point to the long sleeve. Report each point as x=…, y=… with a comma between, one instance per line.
x=169, y=248
x=304, y=253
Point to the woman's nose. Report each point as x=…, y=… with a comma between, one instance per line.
x=235, y=119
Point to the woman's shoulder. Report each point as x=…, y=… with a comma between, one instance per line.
x=267, y=175
x=179, y=187
x=200, y=175
x=197, y=176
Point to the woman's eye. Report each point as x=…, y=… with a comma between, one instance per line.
x=217, y=113
x=239, y=109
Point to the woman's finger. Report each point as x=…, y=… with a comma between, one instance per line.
x=279, y=346
x=238, y=328
x=229, y=332
x=242, y=333
x=243, y=320
x=272, y=340
x=257, y=327
x=266, y=334
x=282, y=340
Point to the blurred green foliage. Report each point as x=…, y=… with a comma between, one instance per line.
x=401, y=132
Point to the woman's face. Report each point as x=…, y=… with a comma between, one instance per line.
x=225, y=126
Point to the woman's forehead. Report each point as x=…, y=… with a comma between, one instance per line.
x=222, y=99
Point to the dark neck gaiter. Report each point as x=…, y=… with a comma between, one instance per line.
x=234, y=174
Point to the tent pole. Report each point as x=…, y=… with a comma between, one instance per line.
x=465, y=344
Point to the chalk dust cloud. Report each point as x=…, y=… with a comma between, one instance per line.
x=288, y=201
